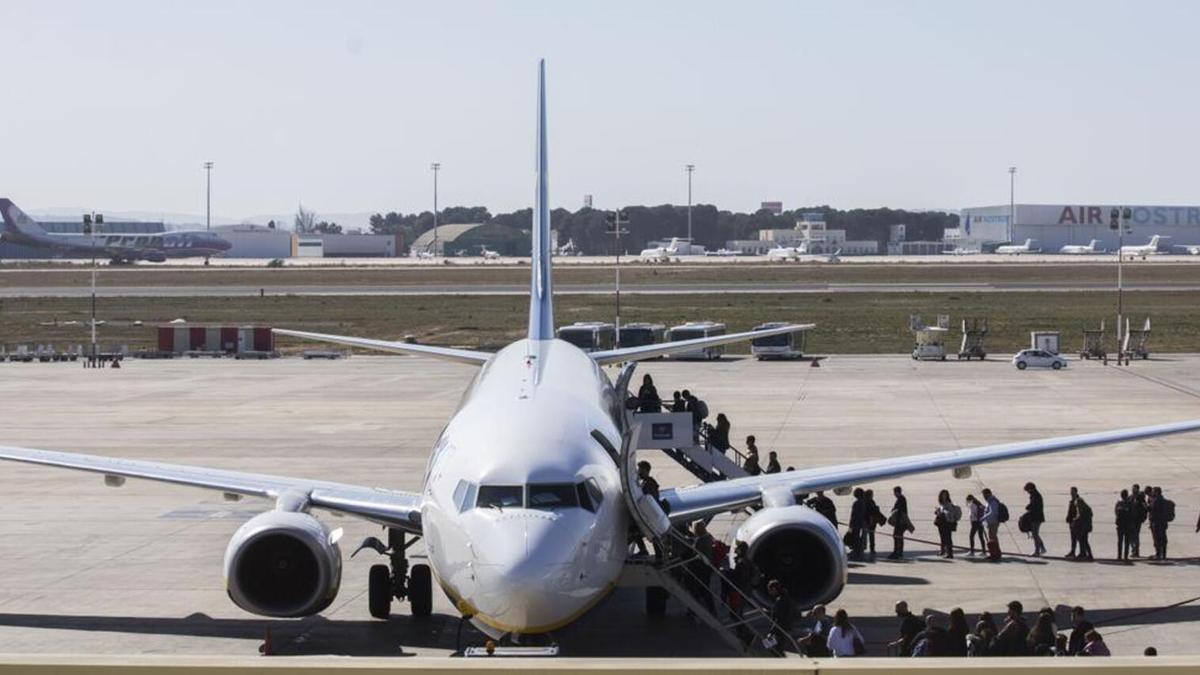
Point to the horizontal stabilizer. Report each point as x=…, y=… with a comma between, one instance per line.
x=663, y=349
x=444, y=353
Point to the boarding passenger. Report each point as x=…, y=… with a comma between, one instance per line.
x=1095, y=645
x=992, y=511
x=677, y=402
x=945, y=518
x=1071, y=516
x=649, y=486
x=900, y=523
x=751, y=465
x=933, y=640
x=824, y=506
x=1035, y=515
x=857, y=524
x=781, y=615
x=701, y=567
x=1162, y=512
x=1081, y=526
x=844, y=639
x=1137, y=500
x=910, y=625
x=1041, y=637
x=956, y=634
x=648, y=399
x=1080, y=627
x=875, y=518
x=818, y=623
x=1123, y=516
x=718, y=435
x=1010, y=641
x=982, y=640
x=773, y=463
x=975, y=513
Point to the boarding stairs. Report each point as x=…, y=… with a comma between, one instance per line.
x=677, y=567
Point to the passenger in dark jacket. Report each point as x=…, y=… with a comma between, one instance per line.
x=936, y=639
x=1158, y=523
x=1036, y=516
x=910, y=625
x=781, y=615
x=874, y=518
x=773, y=463
x=1080, y=627
x=1137, y=499
x=718, y=436
x=648, y=399
x=824, y=506
x=1010, y=641
x=1123, y=516
x=899, y=521
x=956, y=634
x=678, y=404
x=1081, y=527
x=1071, y=517
x=858, y=521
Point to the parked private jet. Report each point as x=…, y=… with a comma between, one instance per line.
x=488, y=254
x=1079, y=249
x=119, y=247
x=526, y=503
x=959, y=250
x=661, y=253
x=1017, y=249
x=1135, y=251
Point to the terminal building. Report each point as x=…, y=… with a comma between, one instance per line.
x=1053, y=226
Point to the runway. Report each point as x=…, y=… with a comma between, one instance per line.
x=181, y=291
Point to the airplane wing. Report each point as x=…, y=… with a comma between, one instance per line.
x=700, y=501
x=386, y=507
x=651, y=351
x=445, y=353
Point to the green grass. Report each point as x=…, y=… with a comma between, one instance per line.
x=846, y=322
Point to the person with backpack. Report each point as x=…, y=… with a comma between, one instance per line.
x=1123, y=515
x=1081, y=527
x=994, y=513
x=945, y=519
x=1035, y=515
x=1162, y=511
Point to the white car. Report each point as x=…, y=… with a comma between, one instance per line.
x=1038, y=358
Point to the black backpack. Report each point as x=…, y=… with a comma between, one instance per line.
x=1002, y=513
x=1168, y=510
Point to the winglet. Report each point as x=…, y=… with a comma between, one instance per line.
x=541, y=309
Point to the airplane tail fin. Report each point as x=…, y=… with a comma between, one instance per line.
x=1154, y=241
x=541, y=308
x=16, y=222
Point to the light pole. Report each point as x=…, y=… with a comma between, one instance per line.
x=616, y=219
x=1012, y=203
x=208, y=196
x=91, y=224
x=436, y=166
x=689, y=168
x=1118, y=219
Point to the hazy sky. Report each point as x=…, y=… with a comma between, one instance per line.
x=343, y=105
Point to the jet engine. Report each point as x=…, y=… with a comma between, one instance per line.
x=801, y=548
x=283, y=564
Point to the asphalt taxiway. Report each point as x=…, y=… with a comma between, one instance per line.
x=87, y=569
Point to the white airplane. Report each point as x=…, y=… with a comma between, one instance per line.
x=959, y=250
x=522, y=508
x=1017, y=249
x=487, y=253
x=782, y=252
x=661, y=253
x=568, y=249
x=1135, y=251
x=1192, y=249
x=421, y=254
x=1078, y=249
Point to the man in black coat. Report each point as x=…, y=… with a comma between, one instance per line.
x=1036, y=515
x=1137, y=502
x=1071, y=517
x=824, y=506
x=1158, y=523
x=858, y=522
x=899, y=521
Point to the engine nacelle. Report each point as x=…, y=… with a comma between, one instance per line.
x=283, y=564
x=801, y=548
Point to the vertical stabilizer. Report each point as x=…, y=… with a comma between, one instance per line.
x=541, y=309
x=16, y=223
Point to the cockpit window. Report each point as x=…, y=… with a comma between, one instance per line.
x=499, y=496
x=590, y=496
x=547, y=497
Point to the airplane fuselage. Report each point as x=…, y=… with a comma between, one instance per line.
x=523, y=433
x=152, y=247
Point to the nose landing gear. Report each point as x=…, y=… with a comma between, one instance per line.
x=397, y=580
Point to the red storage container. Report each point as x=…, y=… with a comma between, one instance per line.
x=196, y=337
x=166, y=338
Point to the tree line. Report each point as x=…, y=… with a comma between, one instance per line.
x=711, y=227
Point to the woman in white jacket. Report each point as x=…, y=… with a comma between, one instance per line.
x=844, y=639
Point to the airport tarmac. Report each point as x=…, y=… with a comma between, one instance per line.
x=86, y=569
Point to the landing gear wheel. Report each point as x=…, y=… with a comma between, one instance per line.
x=379, y=592
x=420, y=590
x=656, y=601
